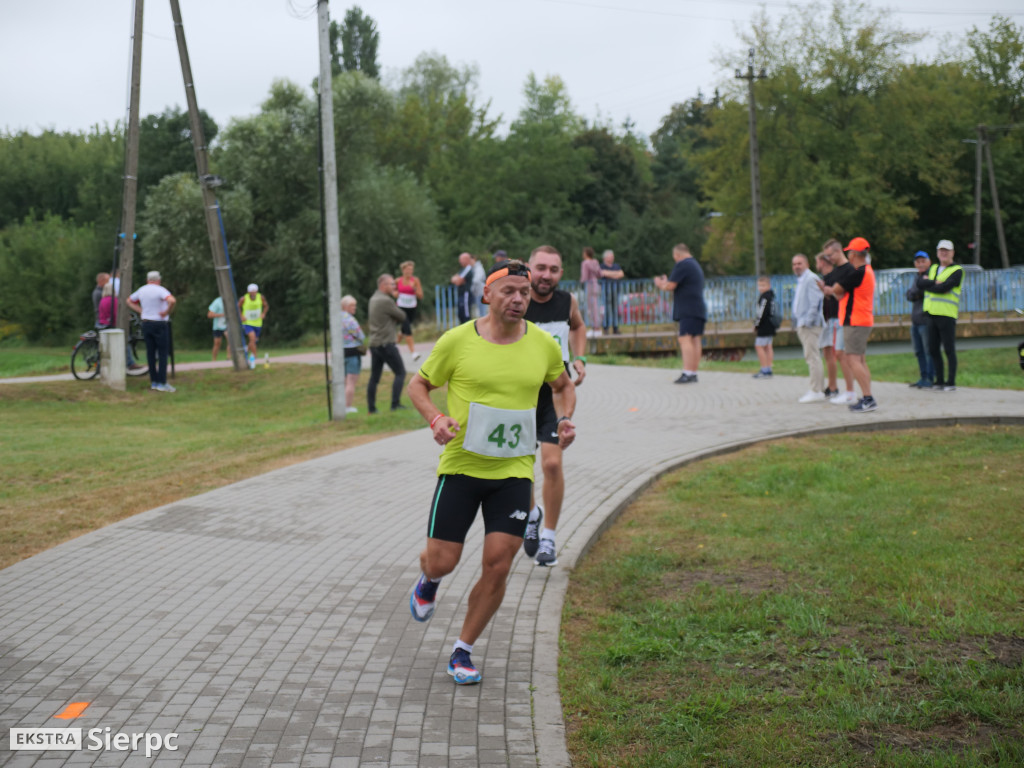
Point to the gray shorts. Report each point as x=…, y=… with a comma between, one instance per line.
x=763, y=341
x=828, y=334
x=856, y=339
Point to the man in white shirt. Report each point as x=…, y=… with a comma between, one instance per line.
x=154, y=303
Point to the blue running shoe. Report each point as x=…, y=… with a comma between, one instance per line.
x=421, y=601
x=461, y=668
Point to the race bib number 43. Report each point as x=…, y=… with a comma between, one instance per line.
x=500, y=433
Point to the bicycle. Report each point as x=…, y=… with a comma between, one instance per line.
x=85, y=355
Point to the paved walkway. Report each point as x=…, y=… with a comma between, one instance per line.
x=267, y=623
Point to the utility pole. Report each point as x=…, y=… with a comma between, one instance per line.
x=978, y=147
x=331, y=235
x=995, y=198
x=126, y=236
x=755, y=165
x=207, y=182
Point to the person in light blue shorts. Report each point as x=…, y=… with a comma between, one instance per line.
x=832, y=331
x=353, y=343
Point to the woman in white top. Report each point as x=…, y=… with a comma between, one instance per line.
x=410, y=293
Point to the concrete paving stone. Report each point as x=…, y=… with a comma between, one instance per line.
x=375, y=755
x=351, y=745
x=290, y=621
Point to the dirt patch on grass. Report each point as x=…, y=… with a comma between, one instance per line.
x=957, y=734
x=745, y=578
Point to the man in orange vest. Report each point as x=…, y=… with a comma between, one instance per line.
x=856, y=294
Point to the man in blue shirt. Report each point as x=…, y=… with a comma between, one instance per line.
x=688, y=308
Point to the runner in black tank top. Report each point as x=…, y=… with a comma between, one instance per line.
x=557, y=313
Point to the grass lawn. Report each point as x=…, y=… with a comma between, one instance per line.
x=845, y=601
x=17, y=360
x=75, y=455
x=991, y=368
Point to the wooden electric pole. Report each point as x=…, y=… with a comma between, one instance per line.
x=332, y=238
x=225, y=286
x=1000, y=235
x=126, y=235
x=755, y=165
x=978, y=149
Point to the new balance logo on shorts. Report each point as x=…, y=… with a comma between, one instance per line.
x=518, y=515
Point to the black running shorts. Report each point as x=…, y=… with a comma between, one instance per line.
x=506, y=505
x=547, y=419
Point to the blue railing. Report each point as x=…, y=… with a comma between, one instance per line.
x=734, y=299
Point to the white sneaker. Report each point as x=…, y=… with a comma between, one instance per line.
x=351, y=409
x=844, y=398
x=812, y=397
x=415, y=356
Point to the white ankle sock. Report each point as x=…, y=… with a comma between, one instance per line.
x=464, y=646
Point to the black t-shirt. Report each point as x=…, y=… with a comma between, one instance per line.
x=830, y=305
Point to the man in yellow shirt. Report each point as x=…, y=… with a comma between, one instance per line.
x=493, y=367
x=253, y=307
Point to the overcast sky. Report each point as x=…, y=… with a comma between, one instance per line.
x=64, y=63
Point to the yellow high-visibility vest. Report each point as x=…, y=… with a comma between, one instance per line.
x=943, y=304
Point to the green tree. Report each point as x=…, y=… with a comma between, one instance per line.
x=47, y=273
x=614, y=180
x=72, y=175
x=359, y=38
x=165, y=145
x=996, y=61
x=824, y=169
x=173, y=239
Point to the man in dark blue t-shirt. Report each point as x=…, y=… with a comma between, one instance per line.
x=688, y=308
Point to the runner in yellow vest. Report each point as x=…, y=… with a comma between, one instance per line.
x=253, y=308
x=941, y=308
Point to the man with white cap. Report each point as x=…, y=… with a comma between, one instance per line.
x=942, y=308
x=253, y=307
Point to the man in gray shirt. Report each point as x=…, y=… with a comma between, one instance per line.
x=808, y=321
x=384, y=320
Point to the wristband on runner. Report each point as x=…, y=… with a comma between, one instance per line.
x=433, y=421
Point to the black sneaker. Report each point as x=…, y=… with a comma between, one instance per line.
x=531, y=538
x=546, y=555
x=864, y=405
x=687, y=378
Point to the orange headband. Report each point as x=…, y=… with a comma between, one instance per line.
x=516, y=270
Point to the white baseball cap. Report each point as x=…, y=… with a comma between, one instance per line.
x=252, y=288
x=944, y=245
